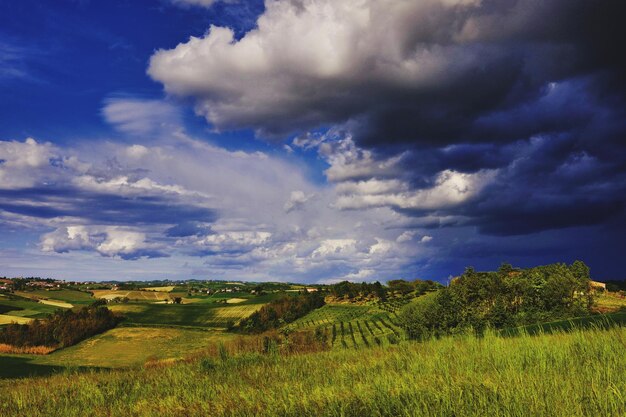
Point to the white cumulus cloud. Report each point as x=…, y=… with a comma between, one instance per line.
x=313, y=61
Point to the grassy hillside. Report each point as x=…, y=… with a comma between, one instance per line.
x=563, y=374
x=117, y=348
x=130, y=346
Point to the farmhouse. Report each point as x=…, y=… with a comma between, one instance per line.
x=6, y=284
x=43, y=284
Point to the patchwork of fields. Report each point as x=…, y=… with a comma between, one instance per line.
x=22, y=310
x=150, y=331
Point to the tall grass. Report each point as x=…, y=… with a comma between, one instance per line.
x=580, y=373
x=28, y=350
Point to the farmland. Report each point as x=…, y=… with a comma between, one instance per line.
x=191, y=358
x=579, y=373
x=64, y=295
x=19, y=307
x=132, y=346
x=132, y=295
x=186, y=315
x=168, y=288
x=353, y=326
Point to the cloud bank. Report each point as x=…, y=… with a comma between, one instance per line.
x=451, y=133
x=481, y=111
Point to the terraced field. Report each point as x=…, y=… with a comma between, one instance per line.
x=353, y=326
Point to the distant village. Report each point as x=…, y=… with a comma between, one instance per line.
x=192, y=286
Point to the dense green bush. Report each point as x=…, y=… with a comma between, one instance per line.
x=282, y=311
x=504, y=298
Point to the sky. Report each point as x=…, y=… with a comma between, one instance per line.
x=310, y=140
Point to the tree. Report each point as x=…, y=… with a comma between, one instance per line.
x=400, y=285
x=501, y=299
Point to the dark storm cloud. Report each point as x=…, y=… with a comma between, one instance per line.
x=520, y=103
x=461, y=69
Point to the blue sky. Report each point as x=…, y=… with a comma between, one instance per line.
x=309, y=140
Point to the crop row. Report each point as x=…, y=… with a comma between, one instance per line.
x=375, y=331
x=392, y=306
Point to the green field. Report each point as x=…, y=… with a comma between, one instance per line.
x=128, y=346
x=353, y=326
x=69, y=296
x=580, y=373
x=24, y=307
x=186, y=315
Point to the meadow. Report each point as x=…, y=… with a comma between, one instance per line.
x=132, y=346
x=578, y=373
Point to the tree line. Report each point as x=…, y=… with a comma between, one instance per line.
x=350, y=290
x=62, y=329
x=505, y=298
x=281, y=311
